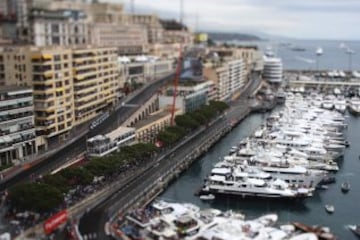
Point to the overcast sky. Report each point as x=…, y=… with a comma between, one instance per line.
x=314, y=19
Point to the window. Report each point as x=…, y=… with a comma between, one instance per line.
x=57, y=57
x=55, y=28
x=57, y=66
x=55, y=40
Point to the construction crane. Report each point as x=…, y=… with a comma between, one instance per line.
x=178, y=67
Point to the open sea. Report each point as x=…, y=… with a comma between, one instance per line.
x=311, y=211
x=334, y=56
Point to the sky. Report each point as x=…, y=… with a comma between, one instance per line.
x=303, y=19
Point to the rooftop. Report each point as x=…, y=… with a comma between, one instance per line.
x=13, y=88
x=152, y=118
x=119, y=131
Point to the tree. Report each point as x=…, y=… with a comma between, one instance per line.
x=186, y=121
x=77, y=176
x=57, y=181
x=38, y=197
x=199, y=117
x=219, y=105
x=167, y=137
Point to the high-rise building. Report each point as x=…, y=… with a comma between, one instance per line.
x=128, y=39
x=152, y=23
x=175, y=32
x=59, y=27
x=23, y=26
x=15, y=66
x=70, y=85
x=229, y=77
x=52, y=76
x=95, y=81
x=17, y=130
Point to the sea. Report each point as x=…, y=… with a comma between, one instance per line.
x=311, y=211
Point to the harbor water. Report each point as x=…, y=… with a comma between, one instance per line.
x=334, y=57
x=310, y=211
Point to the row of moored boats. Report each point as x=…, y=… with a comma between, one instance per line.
x=287, y=157
x=165, y=220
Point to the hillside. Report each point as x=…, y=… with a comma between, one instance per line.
x=216, y=36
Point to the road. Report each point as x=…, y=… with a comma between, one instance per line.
x=79, y=146
x=92, y=223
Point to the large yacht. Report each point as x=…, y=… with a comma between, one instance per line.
x=246, y=186
x=165, y=220
x=354, y=106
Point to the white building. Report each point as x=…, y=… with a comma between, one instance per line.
x=60, y=27
x=189, y=98
x=101, y=145
x=273, y=69
x=17, y=131
x=237, y=75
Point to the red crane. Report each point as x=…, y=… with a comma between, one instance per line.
x=178, y=67
x=175, y=84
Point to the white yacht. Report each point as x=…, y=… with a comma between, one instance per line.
x=319, y=51
x=354, y=106
x=165, y=220
x=340, y=105
x=254, y=187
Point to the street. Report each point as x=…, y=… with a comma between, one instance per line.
x=94, y=221
x=79, y=145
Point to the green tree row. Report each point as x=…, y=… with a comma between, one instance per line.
x=190, y=121
x=48, y=193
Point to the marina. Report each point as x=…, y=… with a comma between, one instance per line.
x=311, y=211
x=165, y=220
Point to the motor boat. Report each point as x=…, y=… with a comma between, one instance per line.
x=345, y=187
x=355, y=229
x=329, y=208
x=207, y=197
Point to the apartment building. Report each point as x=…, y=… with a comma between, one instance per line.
x=175, y=32
x=237, y=75
x=219, y=75
x=95, y=81
x=99, y=12
x=142, y=71
x=251, y=56
x=152, y=23
x=59, y=27
x=52, y=76
x=191, y=95
x=15, y=66
x=129, y=39
x=17, y=130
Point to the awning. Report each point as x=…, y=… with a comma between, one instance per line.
x=61, y=89
x=36, y=56
x=79, y=77
x=47, y=56
x=48, y=74
x=79, y=60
